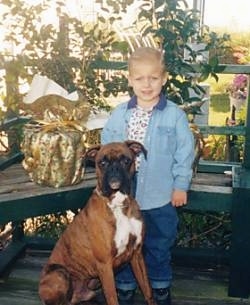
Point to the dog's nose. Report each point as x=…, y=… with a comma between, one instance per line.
x=114, y=176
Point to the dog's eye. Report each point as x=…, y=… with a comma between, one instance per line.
x=102, y=163
x=127, y=161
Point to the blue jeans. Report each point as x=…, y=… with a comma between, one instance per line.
x=161, y=230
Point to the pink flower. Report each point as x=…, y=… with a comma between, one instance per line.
x=240, y=81
x=238, y=87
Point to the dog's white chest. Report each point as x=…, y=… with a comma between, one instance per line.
x=124, y=225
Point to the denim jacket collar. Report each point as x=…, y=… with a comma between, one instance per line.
x=160, y=105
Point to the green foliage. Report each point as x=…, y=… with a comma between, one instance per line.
x=117, y=6
x=220, y=103
x=48, y=226
x=215, y=148
x=63, y=53
x=240, y=47
x=204, y=230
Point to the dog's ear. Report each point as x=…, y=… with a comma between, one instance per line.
x=90, y=154
x=136, y=147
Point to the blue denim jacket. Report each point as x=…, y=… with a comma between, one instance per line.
x=170, y=146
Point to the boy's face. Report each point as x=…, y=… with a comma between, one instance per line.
x=147, y=78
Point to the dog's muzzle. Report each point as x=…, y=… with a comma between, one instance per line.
x=115, y=178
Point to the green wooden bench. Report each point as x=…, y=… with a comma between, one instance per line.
x=234, y=199
x=21, y=199
x=211, y=191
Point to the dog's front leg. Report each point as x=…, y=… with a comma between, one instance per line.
x=140, y=272
x=107, y=279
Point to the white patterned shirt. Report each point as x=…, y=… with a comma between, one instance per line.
x=137, y=126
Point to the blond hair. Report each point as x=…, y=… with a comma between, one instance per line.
x=147, y=54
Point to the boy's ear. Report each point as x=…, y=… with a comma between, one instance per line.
x=165, y=78
x=129, y=81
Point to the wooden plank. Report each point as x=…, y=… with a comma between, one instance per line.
x=9, y=122
x=240, y=249
x=19, y=292
x=217, y=167
x=21, y=198
x=228, y=69
x=225, y=69
x=10, y=254
x=200, y=257
x=209, y=201
x=18, y=186
x=23, y=192
x=223, y=130
x=208, y=179
x=246, y=152
x=15, y=182
x=210, y=192
x=191, y=285
x=20, y=209
x=211, y=189
x=7, y=160
x=122, y=65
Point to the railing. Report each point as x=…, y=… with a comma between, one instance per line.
x=216, y=130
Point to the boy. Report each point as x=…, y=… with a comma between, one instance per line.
x=162, y=180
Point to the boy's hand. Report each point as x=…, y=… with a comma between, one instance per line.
x=179, y=198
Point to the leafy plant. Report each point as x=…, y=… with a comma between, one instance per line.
x=63, y=53
x=48, y=226
x=204, y=230
x=215, y=148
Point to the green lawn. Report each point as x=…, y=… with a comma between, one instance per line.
x=219, y=108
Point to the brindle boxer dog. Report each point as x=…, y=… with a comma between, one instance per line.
x=107, y=232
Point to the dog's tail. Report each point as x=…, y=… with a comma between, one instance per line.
x=55, y=285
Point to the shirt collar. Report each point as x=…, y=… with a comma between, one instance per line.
x=160, y=105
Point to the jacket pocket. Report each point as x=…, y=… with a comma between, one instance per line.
x=166, y=139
